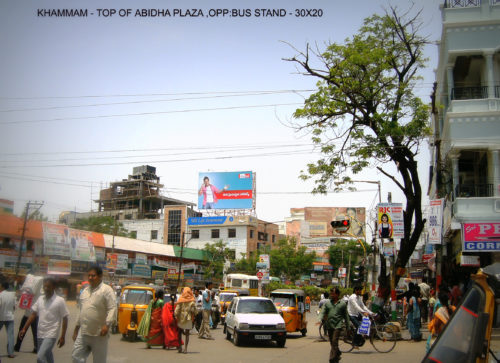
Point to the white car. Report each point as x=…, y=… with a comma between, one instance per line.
x=254, y=318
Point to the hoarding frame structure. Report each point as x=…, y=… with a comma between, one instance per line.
x=231, y=190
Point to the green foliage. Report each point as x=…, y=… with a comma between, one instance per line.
x=216, y=255
x=247, y=265
x=338, y=254
x=289, y=260
x=35, y=216
x=106, y=225
x=312, y=291
x=365, y=113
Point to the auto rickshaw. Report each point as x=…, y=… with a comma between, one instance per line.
x=467, y=335
x=291, y=305
x=225, y=298
x=134, y=300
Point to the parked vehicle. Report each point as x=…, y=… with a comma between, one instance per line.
x=254, y=318
x=134, y=300
x=467, y=335
x=290, y=304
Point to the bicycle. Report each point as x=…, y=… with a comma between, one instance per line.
x=323, y=332
x=382, y=338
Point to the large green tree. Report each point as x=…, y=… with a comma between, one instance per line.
x=104, y=224
x=365, y=113
x=338, y=254
x=290, y=260
x=216, y=255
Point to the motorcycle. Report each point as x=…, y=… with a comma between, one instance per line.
x=215, y=315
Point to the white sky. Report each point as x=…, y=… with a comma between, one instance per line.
x=179, y=88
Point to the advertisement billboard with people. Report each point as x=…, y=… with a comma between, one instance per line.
x=225, y=190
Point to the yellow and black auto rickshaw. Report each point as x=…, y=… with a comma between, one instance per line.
x=134, y=300
x=291, y=305
x=467, y=335
x=225, y=298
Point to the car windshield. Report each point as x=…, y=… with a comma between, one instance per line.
x=133, y=296
x=283, y=300
x=227, y=297
x=256, y=306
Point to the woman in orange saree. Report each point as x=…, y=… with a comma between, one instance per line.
x=170, y=330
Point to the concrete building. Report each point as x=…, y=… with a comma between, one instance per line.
x=465, y=148
x=243, y=234
x=137, y=203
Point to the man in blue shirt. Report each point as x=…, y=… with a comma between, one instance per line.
x=207, y=310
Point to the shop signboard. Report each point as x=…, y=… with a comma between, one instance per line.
x=390, y=220
x=472, y=261
x=435, y=220
x=141, y=258
x=481, y=237
x=225, y=190
x=100, y=254
x=117, y=261
x=173, y=274
x=141, y=270
x=59, y=267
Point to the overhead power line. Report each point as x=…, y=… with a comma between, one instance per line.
x=287, y=153
x=262, y=93
x=146, y=113
x=154, y=94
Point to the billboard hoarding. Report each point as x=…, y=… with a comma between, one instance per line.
x=390, y=220
x=435, y=221
x=225, y=190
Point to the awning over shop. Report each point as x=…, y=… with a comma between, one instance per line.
x=12, y=226
x=130, y=244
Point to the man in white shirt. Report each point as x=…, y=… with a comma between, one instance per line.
x=7, y=306
x=97, y=315
x=51, y=311
x=356, y=309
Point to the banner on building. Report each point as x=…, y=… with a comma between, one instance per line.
x=82, y=249
x=481, y=237
x=225, y=190
x=173, y=274
x=390, y=220
x=55, y=240
x=435, y=220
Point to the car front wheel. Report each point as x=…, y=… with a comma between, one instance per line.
x=281, y=342
x=236, y=338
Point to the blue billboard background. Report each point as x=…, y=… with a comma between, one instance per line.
x=238, y=192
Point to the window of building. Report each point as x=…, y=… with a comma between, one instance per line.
x=128, y=216
x=273, y=238
x=262, y=236
x=174, y=227
x=251, y=233
x=29, y=245
x=231, y=233
x=215, y=233
x=154, y=234
x=133, y=234
x=195, y=233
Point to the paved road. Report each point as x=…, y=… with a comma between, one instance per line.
x=298, y=349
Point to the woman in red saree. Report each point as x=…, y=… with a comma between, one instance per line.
x=155, y=335
x=170, y=330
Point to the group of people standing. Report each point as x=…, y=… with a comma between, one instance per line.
x=164, y=324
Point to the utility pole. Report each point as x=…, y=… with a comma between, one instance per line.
x=181, y=259
x=349, y=270
x=23, y=233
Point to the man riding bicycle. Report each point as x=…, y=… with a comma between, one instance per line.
x=356, y=310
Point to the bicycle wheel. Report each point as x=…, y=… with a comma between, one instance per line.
x=345, y=340
x=323, y=333
x=383, y=338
